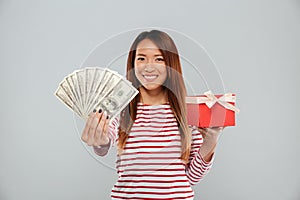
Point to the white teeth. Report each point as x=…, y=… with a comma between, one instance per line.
x=150, y=77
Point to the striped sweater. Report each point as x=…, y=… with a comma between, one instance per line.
x=150, y=166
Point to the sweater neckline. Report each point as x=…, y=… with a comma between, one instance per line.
x=149, y=105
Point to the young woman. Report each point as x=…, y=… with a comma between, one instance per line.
x=159, y=155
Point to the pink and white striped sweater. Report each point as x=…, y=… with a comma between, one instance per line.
x=150, y=166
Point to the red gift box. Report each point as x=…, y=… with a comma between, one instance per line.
x=211, y=110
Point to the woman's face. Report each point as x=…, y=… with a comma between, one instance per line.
x=150, y=66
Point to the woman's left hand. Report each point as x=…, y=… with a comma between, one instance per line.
x=211, y=133
x=210, y=140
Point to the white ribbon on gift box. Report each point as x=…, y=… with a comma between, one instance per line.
x=211, y=99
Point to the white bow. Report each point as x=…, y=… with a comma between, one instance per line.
x=211, y=99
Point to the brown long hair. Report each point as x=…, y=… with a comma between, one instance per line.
x=173, y=84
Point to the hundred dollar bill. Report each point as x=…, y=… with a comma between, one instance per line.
x=79, y=77
x=113, y=80
x=99, y=84
x=116, y=100
x=61, y=94
x=108, y=82
x=73, y=81
x=70, y=89
x=97, y=76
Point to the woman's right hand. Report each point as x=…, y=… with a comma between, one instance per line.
x=95, y=130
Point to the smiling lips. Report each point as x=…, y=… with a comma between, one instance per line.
x=150, y=78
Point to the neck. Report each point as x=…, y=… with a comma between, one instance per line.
x=153, y=97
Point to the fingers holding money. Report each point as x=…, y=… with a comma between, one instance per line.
x=87, y=126
x=101, y=136
x=93, y=127
x=95, y=130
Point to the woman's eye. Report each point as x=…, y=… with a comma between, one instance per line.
x=160, y=59
x=140, y=58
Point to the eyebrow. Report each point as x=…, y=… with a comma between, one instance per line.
x=140, y=54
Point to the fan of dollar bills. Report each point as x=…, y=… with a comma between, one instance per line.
x=93, y=88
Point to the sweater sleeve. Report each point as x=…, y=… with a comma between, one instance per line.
x=102, y=150
x=197, y=167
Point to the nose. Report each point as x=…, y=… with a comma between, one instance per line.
x=149, y=67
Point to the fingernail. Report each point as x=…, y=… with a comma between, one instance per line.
x=94, y=110
x=107, y=117
x=100, y=111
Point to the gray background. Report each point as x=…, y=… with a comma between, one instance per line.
x=255, y=44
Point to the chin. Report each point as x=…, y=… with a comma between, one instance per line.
x=152, y=87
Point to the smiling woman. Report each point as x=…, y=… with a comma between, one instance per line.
x=150, y=70
x=159, y=155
